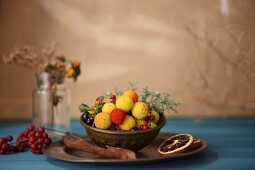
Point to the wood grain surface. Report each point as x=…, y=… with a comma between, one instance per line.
x=230, y=146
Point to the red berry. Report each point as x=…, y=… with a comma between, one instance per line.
x=26, y=132
x=20, y=148
x=40, y=146
x=146, y=126
x=9, y=138
x=32, y=139
x=18, y=138
x=47, y=141
x=31, y=134
x=38, y=134
x=5, y=147
x=2, y=152
x=152, y=117
x=31, y=128
x=118, y=116
x=30, y=143
x=40, y=140
x=113, y=97
x=33, y=146
x=41, y=129
x=2, y=141
x=147, y=118
x=45, y=135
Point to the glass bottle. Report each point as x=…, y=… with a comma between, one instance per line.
x=51, y=104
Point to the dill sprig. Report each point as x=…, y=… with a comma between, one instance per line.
x=132, y=85
x=107, y=94
x=118, y=92
x=160, y=102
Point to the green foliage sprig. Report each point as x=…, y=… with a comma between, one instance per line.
x=97, y=108
x=160, y=102
x=132, y=85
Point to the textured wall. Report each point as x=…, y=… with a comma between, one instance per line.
x=201, y=52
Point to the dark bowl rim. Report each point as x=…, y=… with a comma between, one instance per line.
x=163, y=122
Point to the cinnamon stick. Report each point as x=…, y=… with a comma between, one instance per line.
x=77, y=143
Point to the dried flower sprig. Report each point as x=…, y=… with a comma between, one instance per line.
x=25, y=55
x=56, y=65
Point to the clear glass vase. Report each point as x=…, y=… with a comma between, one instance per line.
x=51, y=106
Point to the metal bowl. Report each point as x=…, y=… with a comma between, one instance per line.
x=132, y=140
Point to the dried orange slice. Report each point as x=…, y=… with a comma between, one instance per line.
x=195, y=145
x=176, y=144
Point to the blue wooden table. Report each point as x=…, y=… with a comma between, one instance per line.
x=231, y=146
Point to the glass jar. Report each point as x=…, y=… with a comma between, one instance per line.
x=51, y=104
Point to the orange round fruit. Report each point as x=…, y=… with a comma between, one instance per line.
x=103, y=120
x=132, y=94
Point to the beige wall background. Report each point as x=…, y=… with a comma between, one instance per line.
x=201, y=52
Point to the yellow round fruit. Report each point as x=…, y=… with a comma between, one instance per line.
x=153, y=112
x=103, y=120
x=125, y=103
x=140, y=122
x=108, y=107
x=132, y=94
x=128, y=123
x=140, y=110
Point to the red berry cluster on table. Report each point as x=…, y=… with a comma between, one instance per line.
x=32, y=138
x=125, y=112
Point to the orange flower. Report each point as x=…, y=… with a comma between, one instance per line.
x=69, y=72
x=76, y=64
